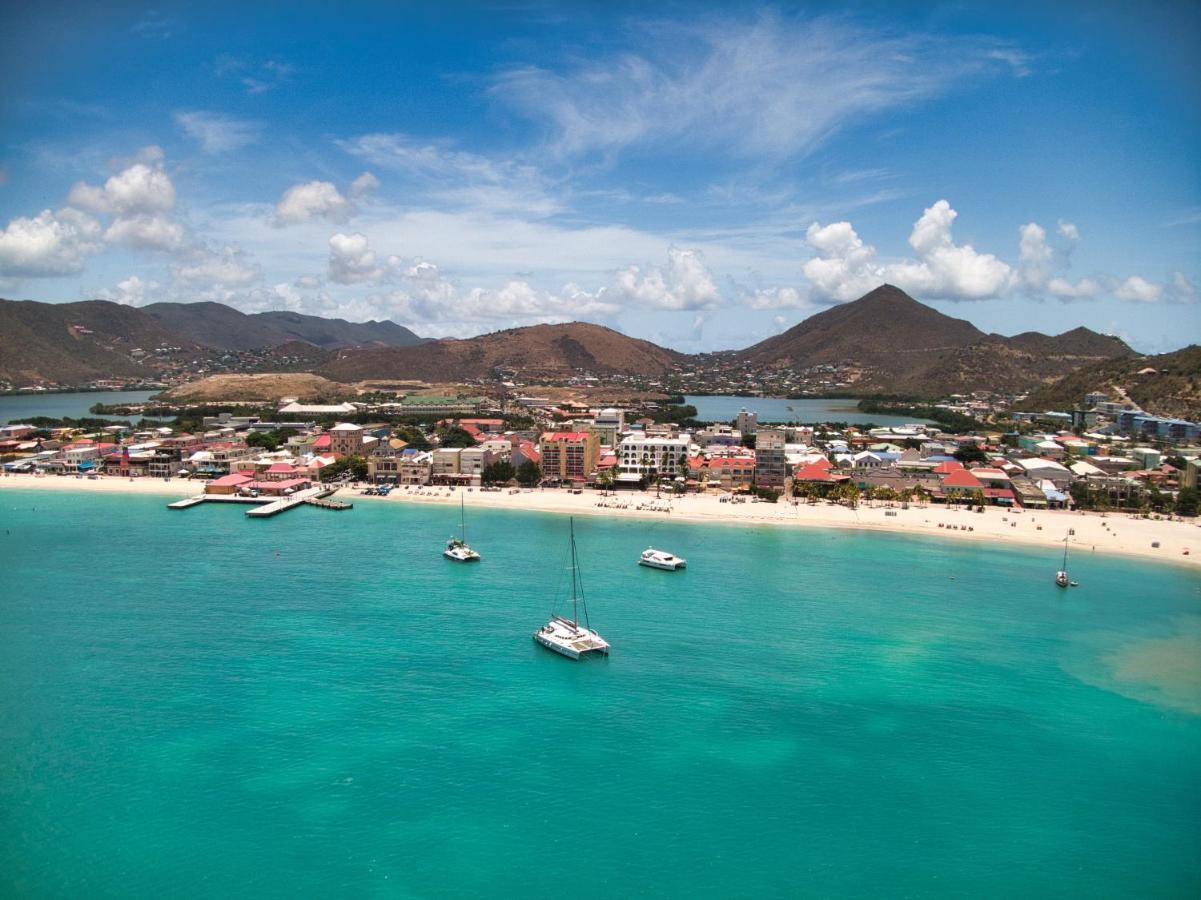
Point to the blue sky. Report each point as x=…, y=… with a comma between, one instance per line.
x=702, y=176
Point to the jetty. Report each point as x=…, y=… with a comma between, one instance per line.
x=267, y=506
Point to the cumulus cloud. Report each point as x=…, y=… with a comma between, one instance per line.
x=50, y=243
x=1084, y=289
x=139, y=189
x=140, y=198
x=776, y=298
x=351, y=259
x=217, y=133
x=312, y=200
x=1137, y=289
x=364, y=185
x=844, y=268
x=686, y=283
x=944, y=269
x=133, y=291
x=228, y=267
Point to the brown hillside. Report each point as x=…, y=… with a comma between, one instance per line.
x=538, y=350
x=41, y=340
x=268, y=388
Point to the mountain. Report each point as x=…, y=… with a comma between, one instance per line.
x=879, y=324
x=902, y=346
x=72, y=343
x=1166, y=385
x=536, y=350
x=225, y=328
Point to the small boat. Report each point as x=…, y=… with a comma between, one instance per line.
x=1061, y=577
x=568, y=637
x=661, y=559
x=456, y=548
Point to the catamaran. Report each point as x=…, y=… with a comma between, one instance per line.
x=661, y=559
x=456, y=548
x=1061, y=577
x=567, y=636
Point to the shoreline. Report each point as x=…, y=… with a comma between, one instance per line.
x=1115, y=534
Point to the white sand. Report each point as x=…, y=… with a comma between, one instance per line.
x=1179, y=541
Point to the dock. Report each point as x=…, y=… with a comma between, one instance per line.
x=326, y=503
x=266, y=507
x=283, y=504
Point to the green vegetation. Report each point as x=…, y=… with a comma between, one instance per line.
x=355, y=465
x=529, y=474
x=498, y=473
x=901, y=406
x=454, y=436
x=970, y=453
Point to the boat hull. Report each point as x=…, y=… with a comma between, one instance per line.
x=666, y=567
x=567, y=639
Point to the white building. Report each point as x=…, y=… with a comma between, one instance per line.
x=638, y=454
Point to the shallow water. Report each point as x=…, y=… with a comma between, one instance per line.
x=199, y=704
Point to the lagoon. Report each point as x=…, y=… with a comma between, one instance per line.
x=724, y=408
x=197, y=704
x=74, y=405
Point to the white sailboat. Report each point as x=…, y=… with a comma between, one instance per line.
x=456, y=548
x=1061, y=577
x=567, y=636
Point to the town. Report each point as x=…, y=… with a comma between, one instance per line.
x=1103, y=455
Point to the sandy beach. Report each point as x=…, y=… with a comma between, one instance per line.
x=1112, y=533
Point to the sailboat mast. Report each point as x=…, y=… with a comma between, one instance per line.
x=463, y=516
x=575, y=571
x=1065, y=554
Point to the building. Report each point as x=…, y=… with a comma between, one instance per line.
x=346, y=439
x=642, y=454
x=771, y=463
x=609, y=425
x=1188, y=478
x=441, y=406
x=473, y=461
x=445, y=466
x=569, y=455
x=746, y=422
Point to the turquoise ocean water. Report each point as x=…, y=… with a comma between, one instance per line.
x=196, y=704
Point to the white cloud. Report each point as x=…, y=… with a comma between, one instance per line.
x=1036, y=260
x=1180, y=289
x=133, y=291
x=363, y=185
x=48, y=244
x=312, y=200
x=777, y=298
x=351, y=259
x=147, y=232
x=1084, y=289
x=690, y=88
x=687, y=283
x=844, y=268
x=218, y=133
x=1137, y=289
x=139, y=198
x=226, y=268
x=456, y=177
x=138, y=189
x=943, y=269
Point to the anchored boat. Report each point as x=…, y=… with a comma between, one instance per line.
x=661, y=559
x=456, y=548
x=567, y=636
